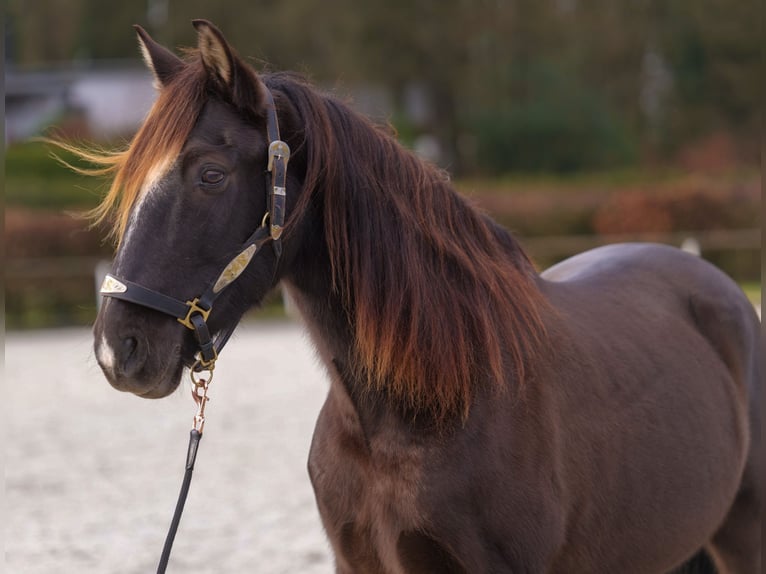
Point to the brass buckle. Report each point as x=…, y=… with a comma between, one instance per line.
x=202, y=365
x=278, y=148
x=194, y=308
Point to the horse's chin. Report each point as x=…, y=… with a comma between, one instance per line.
x=164, y=386
x=151, y=383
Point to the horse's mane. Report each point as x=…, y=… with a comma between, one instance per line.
x=439, y=297
x=158, y=141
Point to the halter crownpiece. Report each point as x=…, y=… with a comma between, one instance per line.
x=193, y=314
x=279, y=155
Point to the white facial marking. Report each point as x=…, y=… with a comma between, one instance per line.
x=149, y=189
x=105, y=355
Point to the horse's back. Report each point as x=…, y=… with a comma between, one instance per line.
x=667, y=278
x=671, y=337
x=651, y=284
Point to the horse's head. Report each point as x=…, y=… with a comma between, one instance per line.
x=188, y=196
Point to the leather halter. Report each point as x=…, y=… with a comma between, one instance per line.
x=193, y=314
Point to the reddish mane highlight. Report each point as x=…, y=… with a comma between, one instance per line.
x=159, y=139
x=440, y=299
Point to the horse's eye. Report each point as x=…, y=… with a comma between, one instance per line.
x=212, y=176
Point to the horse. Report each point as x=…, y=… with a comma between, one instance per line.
x=481, y=417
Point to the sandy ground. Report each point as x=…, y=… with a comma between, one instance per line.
x=92, y=475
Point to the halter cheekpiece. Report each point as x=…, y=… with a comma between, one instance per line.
x=193, y=314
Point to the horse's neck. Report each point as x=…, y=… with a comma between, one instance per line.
x=321, y=311
x=309, y=285
x=372, y=349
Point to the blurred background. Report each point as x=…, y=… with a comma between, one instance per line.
x=573, y=123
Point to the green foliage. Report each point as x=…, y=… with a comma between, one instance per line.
x=563, y=127
x=38, y=304
x=469, y=56
x=543, y=90
x=714, y=49
x=753, y=291
x=35, y=179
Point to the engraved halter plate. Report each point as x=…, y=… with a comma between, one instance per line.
x=112, y=285
x=235, y=268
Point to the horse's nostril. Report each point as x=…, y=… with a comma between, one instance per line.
x=132, y=356
x=129, y=345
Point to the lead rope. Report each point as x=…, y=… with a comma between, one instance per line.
x=199, y=390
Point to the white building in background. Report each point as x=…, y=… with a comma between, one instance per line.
x=112, y=101
x=113, y=98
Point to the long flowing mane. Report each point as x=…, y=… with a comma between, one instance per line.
x=440, y=334
x=158, y=141
x=440, y=299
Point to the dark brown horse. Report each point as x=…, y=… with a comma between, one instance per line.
x=597, y=418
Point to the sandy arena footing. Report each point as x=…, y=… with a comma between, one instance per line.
x=92, y=475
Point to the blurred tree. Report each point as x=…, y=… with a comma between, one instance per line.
x=99, y=36
x=44, y=30
x=609, y=41
x=426, y=45
x=649, y=74
x=714, y=47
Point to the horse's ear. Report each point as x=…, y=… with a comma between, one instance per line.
x=230, y=74
x=163, y=63
x=217, y=55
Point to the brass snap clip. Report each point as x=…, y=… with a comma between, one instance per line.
x=199, y=391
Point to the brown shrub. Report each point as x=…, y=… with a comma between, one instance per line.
x=31, y=233
x=688, y=206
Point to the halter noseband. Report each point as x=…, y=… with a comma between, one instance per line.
x=193, y=314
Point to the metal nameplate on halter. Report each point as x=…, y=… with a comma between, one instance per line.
x=112, y=285
x=278, y=148
x=235, y=268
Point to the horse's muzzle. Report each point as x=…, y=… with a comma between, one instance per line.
x=133, y=363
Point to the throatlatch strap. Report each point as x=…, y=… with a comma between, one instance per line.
x=207, y=351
